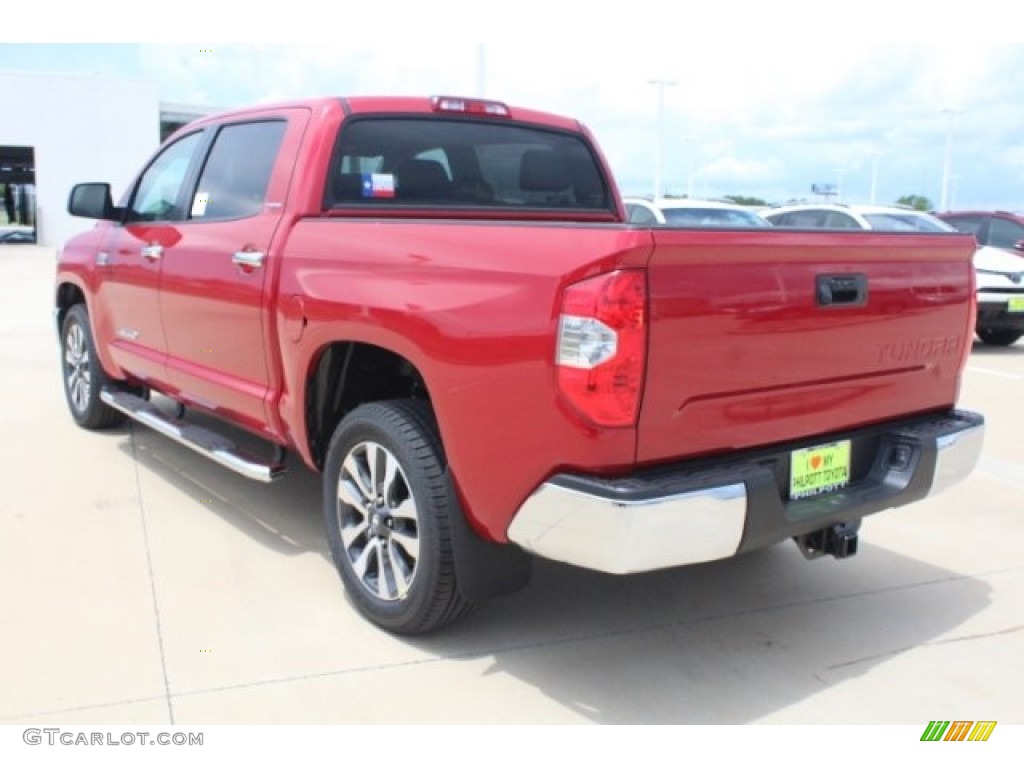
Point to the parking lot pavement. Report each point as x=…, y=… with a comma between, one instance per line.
x=143, y=584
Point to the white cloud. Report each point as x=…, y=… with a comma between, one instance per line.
x=755, y=104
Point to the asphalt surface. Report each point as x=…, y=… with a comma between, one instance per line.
x=140, y=583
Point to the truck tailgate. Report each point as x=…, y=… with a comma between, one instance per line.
x=762, y=337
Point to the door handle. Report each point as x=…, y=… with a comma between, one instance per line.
x=152, y=252
x=251, y=259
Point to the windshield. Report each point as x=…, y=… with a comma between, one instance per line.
x=906, y=222
x=712, y=217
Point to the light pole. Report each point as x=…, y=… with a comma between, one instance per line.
x=874, y=154
x=947, y=160
x=691, y=168
x=662, y=84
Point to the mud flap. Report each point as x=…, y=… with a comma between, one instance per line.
x=484, y=569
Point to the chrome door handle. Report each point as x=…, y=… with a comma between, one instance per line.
x=152, y=252
x=250, y=259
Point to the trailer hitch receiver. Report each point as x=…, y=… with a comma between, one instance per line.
x=839, y=540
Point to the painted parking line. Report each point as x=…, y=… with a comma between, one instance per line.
x=1000, y=374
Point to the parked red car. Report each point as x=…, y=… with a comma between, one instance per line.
x=999, y=229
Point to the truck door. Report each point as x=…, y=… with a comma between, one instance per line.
x=128, y=268
x=214, y=293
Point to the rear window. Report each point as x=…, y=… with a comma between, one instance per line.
x=402, y=162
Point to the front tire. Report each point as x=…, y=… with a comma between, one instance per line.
x=388, y=516
x=998, y=338
x=82, y=374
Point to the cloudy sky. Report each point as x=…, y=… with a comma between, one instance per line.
x=754, y=109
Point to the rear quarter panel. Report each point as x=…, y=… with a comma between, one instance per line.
x=474, y=306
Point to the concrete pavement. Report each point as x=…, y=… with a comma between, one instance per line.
x=143, y=584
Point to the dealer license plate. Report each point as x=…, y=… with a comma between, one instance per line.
x=824, y=468
x=1015, y=304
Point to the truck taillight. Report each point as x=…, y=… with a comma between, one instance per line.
x=602, y=347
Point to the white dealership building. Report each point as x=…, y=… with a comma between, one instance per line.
x=58, y=130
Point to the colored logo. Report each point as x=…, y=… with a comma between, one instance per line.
x=958, y=730
x=378, y=185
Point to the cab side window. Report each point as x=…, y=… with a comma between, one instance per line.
x=158, y=196
x=233, y=183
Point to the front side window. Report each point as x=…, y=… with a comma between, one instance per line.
x=159, y=192
x=968, y=224
x=810, y=219
x=233, y=183
x=1003, y=233
x=836, y=220
x=452, y=163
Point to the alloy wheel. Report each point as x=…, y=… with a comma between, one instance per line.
x=378, y=521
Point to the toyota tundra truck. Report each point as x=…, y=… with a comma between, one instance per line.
x=438, y=305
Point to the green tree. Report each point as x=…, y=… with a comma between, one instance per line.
x=917, y=202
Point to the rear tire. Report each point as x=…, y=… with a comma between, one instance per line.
x=83, y=375
x=388, y=516
x=998, y=338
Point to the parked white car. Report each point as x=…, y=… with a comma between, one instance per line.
x=999, y=273
x=686, y=212
x=885, y=218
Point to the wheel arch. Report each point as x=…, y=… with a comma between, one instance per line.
x=68, y=294
x=347, y=374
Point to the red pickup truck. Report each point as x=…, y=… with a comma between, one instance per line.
x=437, y=303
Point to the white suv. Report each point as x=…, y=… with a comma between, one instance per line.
x=686, y=212
x=999, y=274
x=886, y=218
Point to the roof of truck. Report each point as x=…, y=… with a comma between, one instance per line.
x=425, y=105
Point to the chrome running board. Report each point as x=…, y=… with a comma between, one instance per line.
x=204, y=441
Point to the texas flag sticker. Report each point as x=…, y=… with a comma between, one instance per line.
x=378, y=185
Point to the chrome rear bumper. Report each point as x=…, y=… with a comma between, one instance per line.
x=697, y=512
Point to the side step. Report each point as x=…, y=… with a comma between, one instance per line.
x=210, y=444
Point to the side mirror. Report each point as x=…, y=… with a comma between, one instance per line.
x=1019, y=245
x=92, y=201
